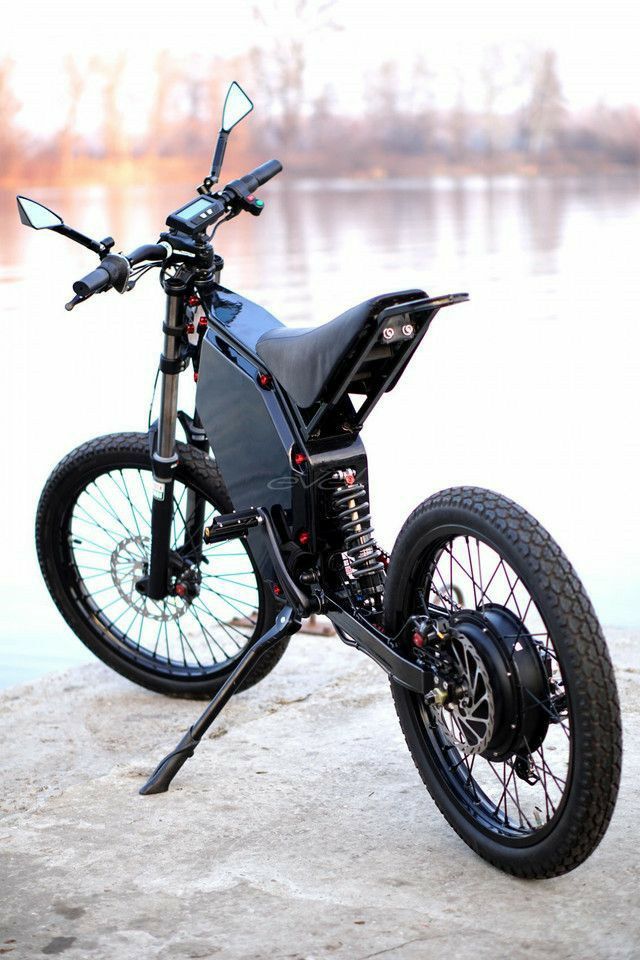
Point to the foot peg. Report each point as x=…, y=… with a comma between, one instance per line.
x=231, y=525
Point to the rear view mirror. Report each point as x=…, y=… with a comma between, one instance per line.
x=35, y=215
x=236, y=106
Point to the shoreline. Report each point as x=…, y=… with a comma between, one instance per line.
x=300, y=829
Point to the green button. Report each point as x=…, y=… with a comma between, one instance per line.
x=259, y=203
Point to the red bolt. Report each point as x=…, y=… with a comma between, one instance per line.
x=350, y=479
x=190, y=328
x=195, y=378
x=299, y=459
x=277, y=589
x=202, y=322
x=418, y=639
x=303, y=538
x=265, y=381
x=193, y=300
x=181, y=589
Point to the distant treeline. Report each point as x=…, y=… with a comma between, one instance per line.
x=402, y=129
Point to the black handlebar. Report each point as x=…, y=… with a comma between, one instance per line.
x=149, y=251
x=115, y=269
x=262, y=174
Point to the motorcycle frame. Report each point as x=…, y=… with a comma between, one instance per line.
x=270, y=514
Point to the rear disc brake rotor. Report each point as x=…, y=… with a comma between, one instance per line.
x=467, y=721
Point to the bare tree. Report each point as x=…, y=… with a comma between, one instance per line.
x=421, y=103
x=492, y=84
x=281, y=68
x=458, y=126
x=9, y=105
x=113, y=135
x=384, y=107
x=76, y=80
x=545, y=111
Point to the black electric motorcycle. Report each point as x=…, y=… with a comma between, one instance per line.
x=188, y=574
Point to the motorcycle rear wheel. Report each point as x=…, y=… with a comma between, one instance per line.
x=525, y=763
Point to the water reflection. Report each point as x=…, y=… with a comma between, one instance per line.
x=528, y=389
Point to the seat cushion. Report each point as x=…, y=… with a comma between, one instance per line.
x=303, y=359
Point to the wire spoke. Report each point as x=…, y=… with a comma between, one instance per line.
x=520, y=793
x=175, y=634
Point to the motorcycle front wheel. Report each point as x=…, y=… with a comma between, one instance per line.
x=520, y=745
x=93, y=535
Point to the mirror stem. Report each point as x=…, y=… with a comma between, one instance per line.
x=101, y=247
x=218, y=156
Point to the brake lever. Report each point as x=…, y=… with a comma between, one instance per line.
x=74, y=303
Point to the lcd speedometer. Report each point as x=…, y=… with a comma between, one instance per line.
x=196, y=215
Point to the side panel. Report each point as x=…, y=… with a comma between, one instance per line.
x=250, y=437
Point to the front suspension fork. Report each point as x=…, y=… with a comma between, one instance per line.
x=195, y=511
x=164, y=458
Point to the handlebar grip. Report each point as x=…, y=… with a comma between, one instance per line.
x=94, y=282
x=262, y=174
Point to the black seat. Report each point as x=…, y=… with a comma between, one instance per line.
x=304, y=359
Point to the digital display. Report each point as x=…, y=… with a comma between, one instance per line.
x=198, y=206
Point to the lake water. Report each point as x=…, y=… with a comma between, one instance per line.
x=530, y=389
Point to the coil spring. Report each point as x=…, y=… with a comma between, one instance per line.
x=354, y=521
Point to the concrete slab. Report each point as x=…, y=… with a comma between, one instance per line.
x=299, y=830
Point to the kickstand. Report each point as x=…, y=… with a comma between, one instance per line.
x=287, y=623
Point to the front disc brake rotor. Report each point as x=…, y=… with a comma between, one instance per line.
x=128, y=564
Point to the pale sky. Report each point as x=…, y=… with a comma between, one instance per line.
x=597, y=43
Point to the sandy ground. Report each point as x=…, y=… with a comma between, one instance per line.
x=299, y=830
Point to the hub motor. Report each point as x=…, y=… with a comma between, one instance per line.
x=495, y=706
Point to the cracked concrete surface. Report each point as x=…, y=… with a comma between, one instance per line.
x=300, y=829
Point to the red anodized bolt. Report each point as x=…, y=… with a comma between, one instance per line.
x=299, y=459
x=181, y=589
x=193, y=300
x=418, y=639
x=303, y=538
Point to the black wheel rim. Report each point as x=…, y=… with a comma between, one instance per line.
x=106, y=539
x=517, y=799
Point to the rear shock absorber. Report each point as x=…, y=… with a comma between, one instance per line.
x=362, y=556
